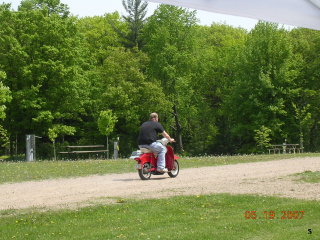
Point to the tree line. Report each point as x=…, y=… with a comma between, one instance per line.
x=218, y=89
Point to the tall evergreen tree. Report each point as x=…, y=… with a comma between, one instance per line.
x=136, y=10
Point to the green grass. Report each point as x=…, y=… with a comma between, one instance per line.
x=226, y=160
x=40, y=170
x=193, y=217
x=309, y=176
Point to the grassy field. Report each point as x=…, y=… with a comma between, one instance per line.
x=309, y=176
x=193, y=217
x=39, y=170
x=220, y=216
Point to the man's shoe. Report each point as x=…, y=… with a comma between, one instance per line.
x=162, y=170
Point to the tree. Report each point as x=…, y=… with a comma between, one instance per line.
x=262, y=138
x=122, y=86
x=217, y=50
x=169, y=35
x=118, y=80
x=56, y=131
x=5, y=96
x=306, y=47
x=304, y=118
x=4, y=139
x=41, y=54
x=106, y=123
x=263, y=86
x=99, y=35
x=136, y=10
x=48, y=6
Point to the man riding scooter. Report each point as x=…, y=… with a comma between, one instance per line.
x=148, y=139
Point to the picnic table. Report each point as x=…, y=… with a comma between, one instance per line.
x=90, y=150
x=285, y=148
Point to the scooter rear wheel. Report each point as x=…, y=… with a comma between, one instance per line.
x=175, y=171
x=144, y=172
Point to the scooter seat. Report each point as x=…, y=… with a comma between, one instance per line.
x=145, y=150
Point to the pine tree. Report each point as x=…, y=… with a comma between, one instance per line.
x=136, y=10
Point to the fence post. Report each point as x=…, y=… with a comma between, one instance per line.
x=30, y=148
x=115, y=150
x=284, y=146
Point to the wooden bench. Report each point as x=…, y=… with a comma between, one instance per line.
x=277, y=148
x=86, y=150
x=285, y=148
x=289, y=148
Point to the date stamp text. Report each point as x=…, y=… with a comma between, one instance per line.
x=283, y=215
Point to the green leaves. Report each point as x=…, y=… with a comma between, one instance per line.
x=125, y=89
x=136, y=10
x=42, y=58
x=5, y=95
x=261, y=89
x=262, y=137
x=219, y=89
x=170, y=34
x=48, y=7
x=60, y=130
x=106, y=122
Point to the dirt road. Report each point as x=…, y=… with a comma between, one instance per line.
x=263, y=178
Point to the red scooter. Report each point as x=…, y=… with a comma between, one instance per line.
x=147, y=163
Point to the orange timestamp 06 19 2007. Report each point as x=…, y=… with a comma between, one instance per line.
x=283, y=215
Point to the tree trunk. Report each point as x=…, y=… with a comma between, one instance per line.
x=107, y=147
x=178, y=129
x=54, y=150
x=301, y=137
x=16, y=148
x=11, y=146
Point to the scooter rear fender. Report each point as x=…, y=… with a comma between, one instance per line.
x=146, y=157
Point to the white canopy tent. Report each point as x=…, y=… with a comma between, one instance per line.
x=300, y=13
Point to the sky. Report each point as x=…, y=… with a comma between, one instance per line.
x=83, y=8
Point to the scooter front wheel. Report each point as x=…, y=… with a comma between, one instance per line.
x=144, y=172
x=175, y=171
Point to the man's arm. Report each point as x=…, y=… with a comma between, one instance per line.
x=166, y=135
